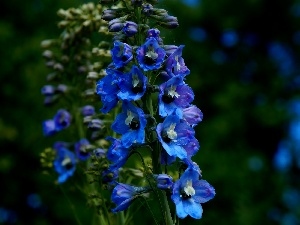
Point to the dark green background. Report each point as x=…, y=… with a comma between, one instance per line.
x=242, y=89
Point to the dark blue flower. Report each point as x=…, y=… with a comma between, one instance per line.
x=132, y=85
x=174, y=94
x=124, y=194
x=174, y=135
x=175, y=64
x=192, y=115
x=150, y=55
x=131, y=124
x=64, y=163
x=116, y=153
x=62, y=119
x=108, y=89
x=49, y=127
x=121, y=54
x=130, y=28
x=82, y=149
x=189, y=192
x=164, y=181
x=116, y=25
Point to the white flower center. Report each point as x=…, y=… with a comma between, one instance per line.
x=151, y=54
x=129, y=118
x=188, y=189
x=135, y=80
x=172, y=92
x=171, y=132
x=66, y=161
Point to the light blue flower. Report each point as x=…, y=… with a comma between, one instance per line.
x=174, y=135
x=64, y=163
x=189, y=192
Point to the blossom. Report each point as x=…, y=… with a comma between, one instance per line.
x=154, y=33
x=108, y=89
x=174, y=94
x=121, y=54
x=175, y=64
x=116, y=153
x=124, y=194
x=150, y=55
x=64, y=163
x=82, y=149
x=132, y=85
x=131, y=124
x=189, y=192
x=62, y=119
x=174, y=135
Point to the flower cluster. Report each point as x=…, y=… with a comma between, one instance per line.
x=145, y=104
x=143, y=71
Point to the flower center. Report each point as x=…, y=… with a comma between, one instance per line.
x=169, y=134
x=137, y=86
x=170, y=94
x=67, y=163
x=132, y=121
x=151, y=56
x=188, y=191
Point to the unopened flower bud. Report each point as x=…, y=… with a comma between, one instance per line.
x=95, y=124
x=61, y=88
x=130, y=28
x=169, y=22
x=169, y=49
x=48, y=54
x=116, y=25
x=164, y=181
x=147, y=9
x=48, y=90
x=109, y=14
x=88, y=110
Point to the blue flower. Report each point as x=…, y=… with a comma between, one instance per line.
x=131, y=124
x=150, y=55
x=64, y=163
x=192, y=115
x=62, y=119
x=174, y=94
x=49, y=127
x=116, y=153
x=108, y=89
x=124, y=194
x=82, y=149
x=175, y=135
x=175, y=64
x=132, y=85
x=189, y=192
x=121, y=54
x=164, y=181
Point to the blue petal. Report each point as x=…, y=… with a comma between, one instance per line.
x=128, y=139
x=204, y=191
x=119, y=125
x=175, y=150
x=192, y=208
x=180, y=210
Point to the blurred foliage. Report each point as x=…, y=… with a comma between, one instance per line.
x=242, y=81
